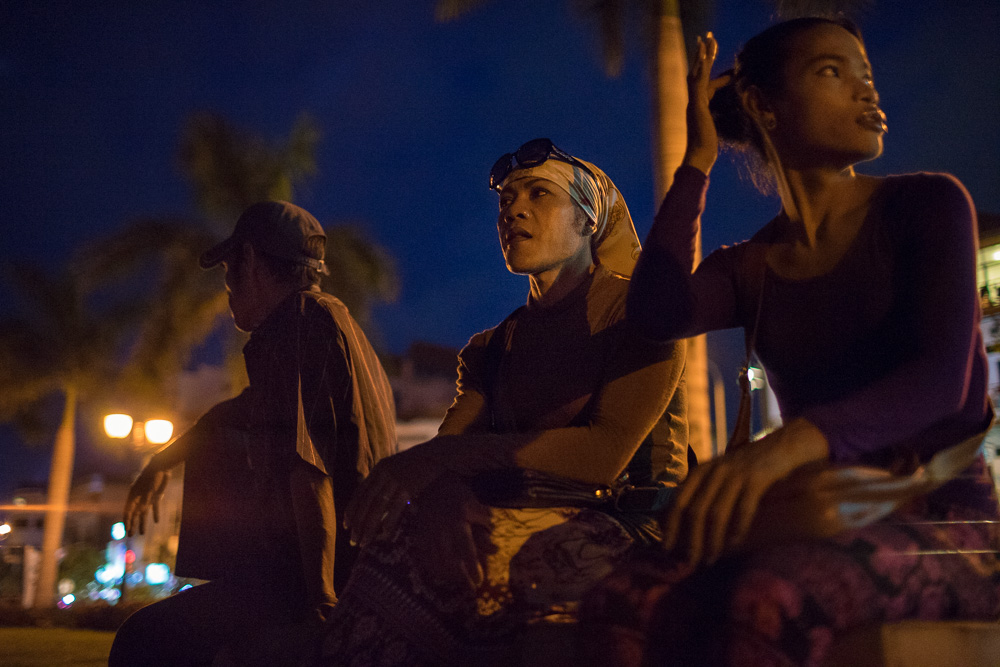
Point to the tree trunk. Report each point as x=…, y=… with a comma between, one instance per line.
x=60, y=479
x=670, y=141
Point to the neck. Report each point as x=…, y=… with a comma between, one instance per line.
x=811, y=197
x=270, y=297
x=549, y=287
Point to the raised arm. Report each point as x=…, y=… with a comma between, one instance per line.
x=668, y=300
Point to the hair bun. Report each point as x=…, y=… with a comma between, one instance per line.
x=731, y=121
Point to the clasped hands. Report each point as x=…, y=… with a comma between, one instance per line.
x=451, y=533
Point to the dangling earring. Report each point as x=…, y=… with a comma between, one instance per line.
x=770, y=123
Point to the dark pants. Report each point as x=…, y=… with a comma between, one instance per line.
x=191, y=627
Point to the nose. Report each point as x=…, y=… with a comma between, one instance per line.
x=868, y=92
x=513, y=211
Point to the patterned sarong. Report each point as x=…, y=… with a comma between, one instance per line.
x=546, y=559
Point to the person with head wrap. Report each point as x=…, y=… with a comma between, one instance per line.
x=507, y=516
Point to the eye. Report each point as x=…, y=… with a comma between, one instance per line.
x=539, y=192
x=505, y=202
x=830, y=70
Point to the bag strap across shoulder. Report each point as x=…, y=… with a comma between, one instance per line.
x=757, y=263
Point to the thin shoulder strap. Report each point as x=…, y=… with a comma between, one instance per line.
x=757, y=261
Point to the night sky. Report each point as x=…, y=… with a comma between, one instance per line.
x=413, y=113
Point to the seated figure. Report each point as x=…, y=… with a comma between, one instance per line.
x=860, y=299
x=269, y=473
x=509, y=514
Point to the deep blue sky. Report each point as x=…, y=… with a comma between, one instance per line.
x=94, y=95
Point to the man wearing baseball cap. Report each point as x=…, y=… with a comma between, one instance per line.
x=269, y=472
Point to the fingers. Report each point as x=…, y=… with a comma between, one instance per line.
x=705, y=510
x=364, y=496
x=704, y=58
x=142, y=517
x=368, y=511
x=465, y=553
x=719, y=528
x=745, y=513
x=135, y=512
x=673, y=520
x=390, y=519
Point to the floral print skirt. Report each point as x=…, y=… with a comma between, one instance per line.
x=786, y=604
x=391, y=613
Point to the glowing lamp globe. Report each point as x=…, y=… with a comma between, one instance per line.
x=158, y=431
x=118, y=426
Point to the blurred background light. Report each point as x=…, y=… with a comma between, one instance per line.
x=158, y=431
x=118, y=531
x=157, y=573
x=118, y=425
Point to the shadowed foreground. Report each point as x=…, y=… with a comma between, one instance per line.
x=47, y=647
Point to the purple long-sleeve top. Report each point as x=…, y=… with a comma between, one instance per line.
x=883, y=353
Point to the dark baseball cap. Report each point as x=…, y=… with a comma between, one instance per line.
x=273, y=227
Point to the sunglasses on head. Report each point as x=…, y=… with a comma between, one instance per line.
x=531, y=154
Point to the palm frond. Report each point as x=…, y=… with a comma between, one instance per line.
x=361, y=272
x=449, y=10
x=790, y=9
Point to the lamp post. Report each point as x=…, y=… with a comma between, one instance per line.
x=152, y=432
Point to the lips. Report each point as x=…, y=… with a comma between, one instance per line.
x=873, y=119
x=515, y=235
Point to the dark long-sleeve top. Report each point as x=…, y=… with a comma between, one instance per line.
x=570, y=390
x=883, y=353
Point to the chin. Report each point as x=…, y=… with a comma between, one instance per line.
x=517, y=265
x=519, y=270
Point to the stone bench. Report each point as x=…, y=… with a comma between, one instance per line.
x=920, y=644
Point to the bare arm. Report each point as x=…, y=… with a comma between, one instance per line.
x=641, y=382
x=147, y=489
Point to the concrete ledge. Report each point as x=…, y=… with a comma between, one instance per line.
x=920, y=644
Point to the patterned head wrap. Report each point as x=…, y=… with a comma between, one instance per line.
x=615, y=244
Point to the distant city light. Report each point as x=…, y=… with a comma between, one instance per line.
x=109, y=573
x=158, y=431
x=66, y=601
x=996, y=255
x=118, y=531
x=129, y=556
x=118, y=425
x=157, y=573
x=4, y=528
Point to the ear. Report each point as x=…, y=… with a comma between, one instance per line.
x=249, y=256
x=759, y=109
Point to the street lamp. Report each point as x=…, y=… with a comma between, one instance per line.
x=152, y=431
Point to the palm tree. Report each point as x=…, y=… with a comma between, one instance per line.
x=670, y=27
x=58, y=346
x=229, y=169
